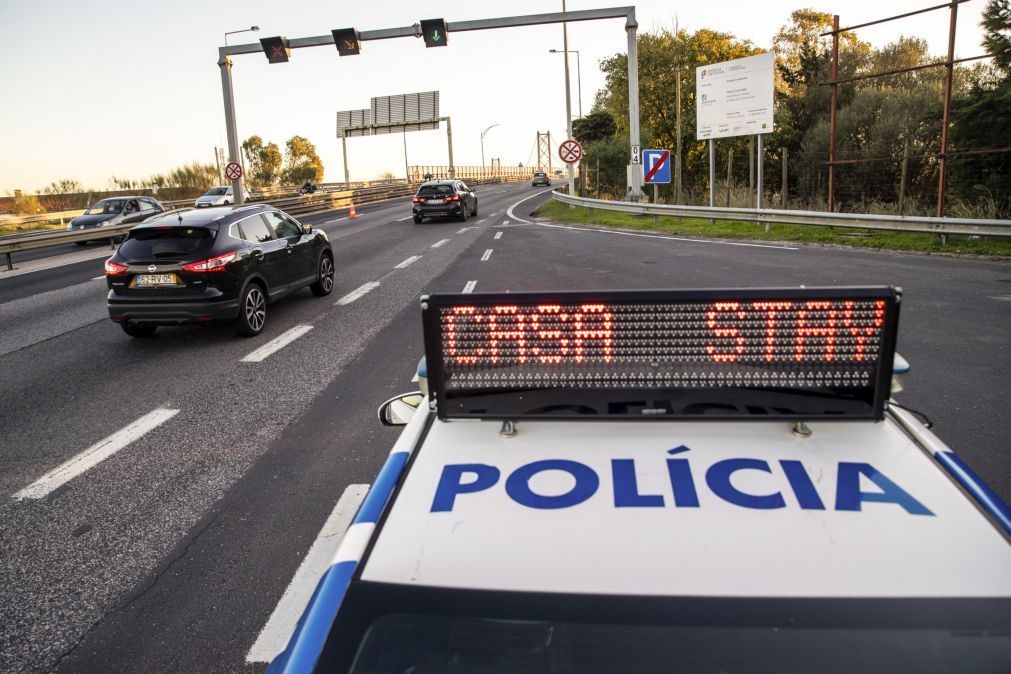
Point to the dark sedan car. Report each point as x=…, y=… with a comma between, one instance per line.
x=116, y=211
x=214, y=265
x=444, y=198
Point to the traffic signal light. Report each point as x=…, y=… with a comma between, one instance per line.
x=276, y=49
x=434, y=31
x=347, y=42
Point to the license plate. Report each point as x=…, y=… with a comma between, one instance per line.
x=156, y=279
x=436, y=201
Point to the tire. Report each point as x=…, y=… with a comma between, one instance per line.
x=227, y=203
x=252, y=311
x=324, y=282
x=140, y=331
x=418, y=220
x=81, y=243
x=463, y=214
x=473, y=213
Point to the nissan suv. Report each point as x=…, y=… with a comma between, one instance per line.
x=214, y=265
x=540, y=178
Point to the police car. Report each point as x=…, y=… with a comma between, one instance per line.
x=664, y=481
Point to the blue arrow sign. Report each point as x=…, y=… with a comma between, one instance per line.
x=656, y=166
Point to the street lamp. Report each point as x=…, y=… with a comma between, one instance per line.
x=251, y=29
x=482, y=140
x=579, y=76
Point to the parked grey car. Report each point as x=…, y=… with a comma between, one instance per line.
x=220, y=195
x=116, y=211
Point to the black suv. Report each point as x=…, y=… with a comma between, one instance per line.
x=540, y=178
x=214, y=264
x=444, y=198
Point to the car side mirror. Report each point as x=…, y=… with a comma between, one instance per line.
x=307, y=229
x=397, y=411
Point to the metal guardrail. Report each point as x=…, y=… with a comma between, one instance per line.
x=895, y=223
x=317, y=202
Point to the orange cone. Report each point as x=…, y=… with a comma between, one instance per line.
x=353, y=214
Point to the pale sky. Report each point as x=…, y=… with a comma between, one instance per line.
x=131, y=87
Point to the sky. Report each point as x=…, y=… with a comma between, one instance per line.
x=130, y=88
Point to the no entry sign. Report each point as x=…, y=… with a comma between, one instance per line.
x=570, y=151
x=233, y=171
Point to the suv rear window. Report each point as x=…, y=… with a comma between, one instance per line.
x=540, y=174
x=165, y=242
x=435, y=189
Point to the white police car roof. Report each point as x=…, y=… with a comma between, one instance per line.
x=743, y=509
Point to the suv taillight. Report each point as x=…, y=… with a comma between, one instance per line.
x=419, y=200
x=210, y=264
x=455, y=197
x=114, y=268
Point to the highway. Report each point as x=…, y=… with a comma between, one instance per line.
x=173, y=553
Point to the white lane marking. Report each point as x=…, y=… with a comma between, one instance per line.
x=498, y=235
x=439, y=244
x=509, y=211
x=469, y=288
x=668, y=238
x=275, y=634
x=276, y=344
x=407, y=218
x=408, y=262
x=330, y=222
x=505, y=222
x=357, y=293
x=95, y=454
x=98, y=277
x=464, y=229
x=487, y=254
x=1000, y=298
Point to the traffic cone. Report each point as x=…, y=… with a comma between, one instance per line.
x=353, y=214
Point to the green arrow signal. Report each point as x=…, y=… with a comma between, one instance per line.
x=436, y=36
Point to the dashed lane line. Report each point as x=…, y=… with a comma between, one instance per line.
x=498, y=235
x=408, y=262
x=487, y=254
x=440, y=244
x=95, y=454
x=469, y=288
x=357, y=293
x=407, y=218
x=275, y=634
x=276, y=344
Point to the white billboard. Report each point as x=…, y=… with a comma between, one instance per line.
x=734, y=98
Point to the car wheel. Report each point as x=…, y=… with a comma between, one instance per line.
x=463, y=214
x=81, y=243
x=226, y=203
x=474, y=212
x=324, y=283
x=135, y=330
x=252, y=311
x=418, y=220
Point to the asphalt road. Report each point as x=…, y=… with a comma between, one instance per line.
x=171, y=554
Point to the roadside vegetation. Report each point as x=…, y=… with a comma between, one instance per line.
x=730, y=229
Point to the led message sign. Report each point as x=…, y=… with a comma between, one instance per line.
x=801, y=353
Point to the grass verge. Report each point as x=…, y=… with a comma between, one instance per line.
x=732, y=229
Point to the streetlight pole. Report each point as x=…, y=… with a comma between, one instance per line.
x=482, y=140
x=568, y=101
x=579, y=76
x=251, y=29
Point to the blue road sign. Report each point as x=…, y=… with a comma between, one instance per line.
x=656, y=164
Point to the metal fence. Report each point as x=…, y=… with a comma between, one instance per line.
x=930, y=225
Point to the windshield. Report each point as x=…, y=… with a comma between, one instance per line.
x=165, y=243
x=426, y=644
x=540, y=174
x=216, y=191
x=106, y=206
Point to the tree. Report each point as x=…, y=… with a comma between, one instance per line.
x=65, y=186
x=598, y=125
x=996, y=25
x=263, y=162
x=302, y=162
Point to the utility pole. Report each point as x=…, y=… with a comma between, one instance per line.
x=677, y=156
x=568, y=100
